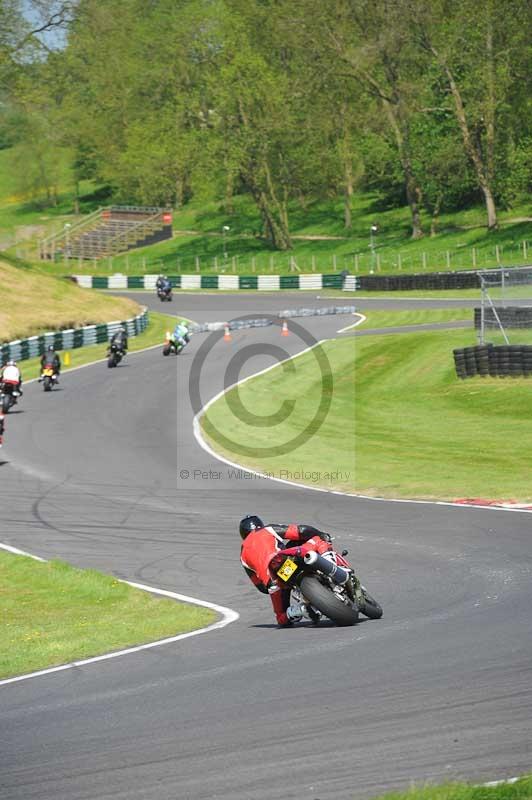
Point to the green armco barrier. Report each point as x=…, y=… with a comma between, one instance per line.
x=100, y=282
x=34, y=346
x=248, y=282
x=224, y=281
x=135, y=282
x=333, y=281
x=209, y=281
x=289, y=282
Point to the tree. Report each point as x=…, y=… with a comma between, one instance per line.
x=475, y=47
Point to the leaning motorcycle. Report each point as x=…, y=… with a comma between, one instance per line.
x=115, y=355
x=9, y=394
x=171, y=345
x=326, y=586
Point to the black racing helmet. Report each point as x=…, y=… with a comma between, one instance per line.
x=250, y=523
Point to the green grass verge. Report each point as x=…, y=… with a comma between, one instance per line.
x=519, y=790
x=53, y=614
x=391, y=319
x=400, y=423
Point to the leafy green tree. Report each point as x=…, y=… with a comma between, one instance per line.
x=476, y=47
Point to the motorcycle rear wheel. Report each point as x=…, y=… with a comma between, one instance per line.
x=326, y=601
x=6, y=403
x=47, y=383
x=370, y=608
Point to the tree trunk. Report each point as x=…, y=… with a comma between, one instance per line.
x=472, y=149
x=348, y=193
x=274, y=227
x=435, y=216
x=491, y=209
x=229, y=206
x=412, y=189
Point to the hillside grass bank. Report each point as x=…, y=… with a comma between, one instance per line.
x=32, y=303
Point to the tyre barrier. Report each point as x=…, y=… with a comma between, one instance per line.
x=262, y=322
x=379, y=283
x=269, y=283
x=509, y=316
x=466, y=279
x=34, y=346
x=432, y=280
x=501, y=361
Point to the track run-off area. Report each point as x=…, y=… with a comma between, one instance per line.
x=105, y=472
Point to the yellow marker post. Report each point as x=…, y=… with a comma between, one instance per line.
x=66, y=360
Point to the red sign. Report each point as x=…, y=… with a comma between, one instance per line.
x=167, y=218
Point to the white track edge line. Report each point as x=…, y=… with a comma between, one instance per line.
x=363, y=318
x=228, y=616
x=196, y=428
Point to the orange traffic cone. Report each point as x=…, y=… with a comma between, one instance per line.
x=227, y=334
x=284, y=329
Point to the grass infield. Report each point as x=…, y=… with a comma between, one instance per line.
x=53, y=613
x=400, y=423
x=517, y=790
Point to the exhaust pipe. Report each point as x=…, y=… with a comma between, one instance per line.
x=338, y=574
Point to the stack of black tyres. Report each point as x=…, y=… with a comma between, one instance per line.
x=516, y=361
x=527, y=360
x=501, y=361
x=470, y=361
x=482, y=359
x=459, y=362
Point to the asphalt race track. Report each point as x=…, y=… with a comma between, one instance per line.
x=439, y=689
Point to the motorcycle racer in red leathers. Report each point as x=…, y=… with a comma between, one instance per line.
x=263, y=550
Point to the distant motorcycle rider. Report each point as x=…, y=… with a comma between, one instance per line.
x=181, y=335
x=51, y=359
x=263, y=551
x=10, y=375
x=119, y=338
x=163, y=284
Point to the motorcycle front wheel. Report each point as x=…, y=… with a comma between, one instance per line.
x=322, y=598
x=111, y=362
x=370, y=608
